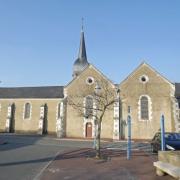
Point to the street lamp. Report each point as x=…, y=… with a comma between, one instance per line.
x=119, y=114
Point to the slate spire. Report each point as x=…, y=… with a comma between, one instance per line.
x=82, y=47
x=81, y=62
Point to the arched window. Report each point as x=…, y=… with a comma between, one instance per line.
x=59, y=111
x=144, y=108
x=89, y=106
x=27, y=110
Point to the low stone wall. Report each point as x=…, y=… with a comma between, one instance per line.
x=172, y=157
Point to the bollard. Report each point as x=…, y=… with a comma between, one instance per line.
x=129, y=137
x=162, y=134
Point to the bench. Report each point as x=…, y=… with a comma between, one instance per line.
x=162, y=168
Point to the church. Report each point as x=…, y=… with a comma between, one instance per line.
x=145, y=95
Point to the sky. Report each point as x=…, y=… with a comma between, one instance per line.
x=39, y=39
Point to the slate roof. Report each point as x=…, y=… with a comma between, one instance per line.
x=81, y=62
x=177, y=90
x=32, y=92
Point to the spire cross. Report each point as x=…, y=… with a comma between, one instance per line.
x=82, y=26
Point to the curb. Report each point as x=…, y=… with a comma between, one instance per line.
x=82, y=140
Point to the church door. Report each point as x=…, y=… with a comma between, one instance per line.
x=12, y=119
x=89, y=130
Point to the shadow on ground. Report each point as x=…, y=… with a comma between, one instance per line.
x=105, y=154
x=12, y=141
x=81, y=164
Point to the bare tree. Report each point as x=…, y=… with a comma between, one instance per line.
x=104, y=95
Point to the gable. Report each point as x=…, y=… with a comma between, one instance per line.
x=89, y=72
x=155, y=85
x=146, y=69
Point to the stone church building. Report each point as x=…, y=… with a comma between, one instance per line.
x=145, y=95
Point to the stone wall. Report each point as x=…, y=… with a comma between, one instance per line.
x=160, y=93
x=75, y=123
x=29, y=125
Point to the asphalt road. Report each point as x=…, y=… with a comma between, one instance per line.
x=24, y=157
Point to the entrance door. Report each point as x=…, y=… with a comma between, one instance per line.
x=12, y=119
x=89, y=130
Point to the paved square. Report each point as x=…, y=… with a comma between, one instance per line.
x=38, y=157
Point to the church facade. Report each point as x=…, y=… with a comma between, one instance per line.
x=144, y=95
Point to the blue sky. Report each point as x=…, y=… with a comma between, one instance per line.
x=39, y=39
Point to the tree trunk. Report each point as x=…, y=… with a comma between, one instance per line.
x=98, y=138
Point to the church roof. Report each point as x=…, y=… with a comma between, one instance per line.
x=177, y=90
x=32, y=92
x=82, y=49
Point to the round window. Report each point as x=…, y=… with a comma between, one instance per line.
x=90, y=80
x=143, y=79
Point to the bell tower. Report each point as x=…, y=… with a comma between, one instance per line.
x=81, y=62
